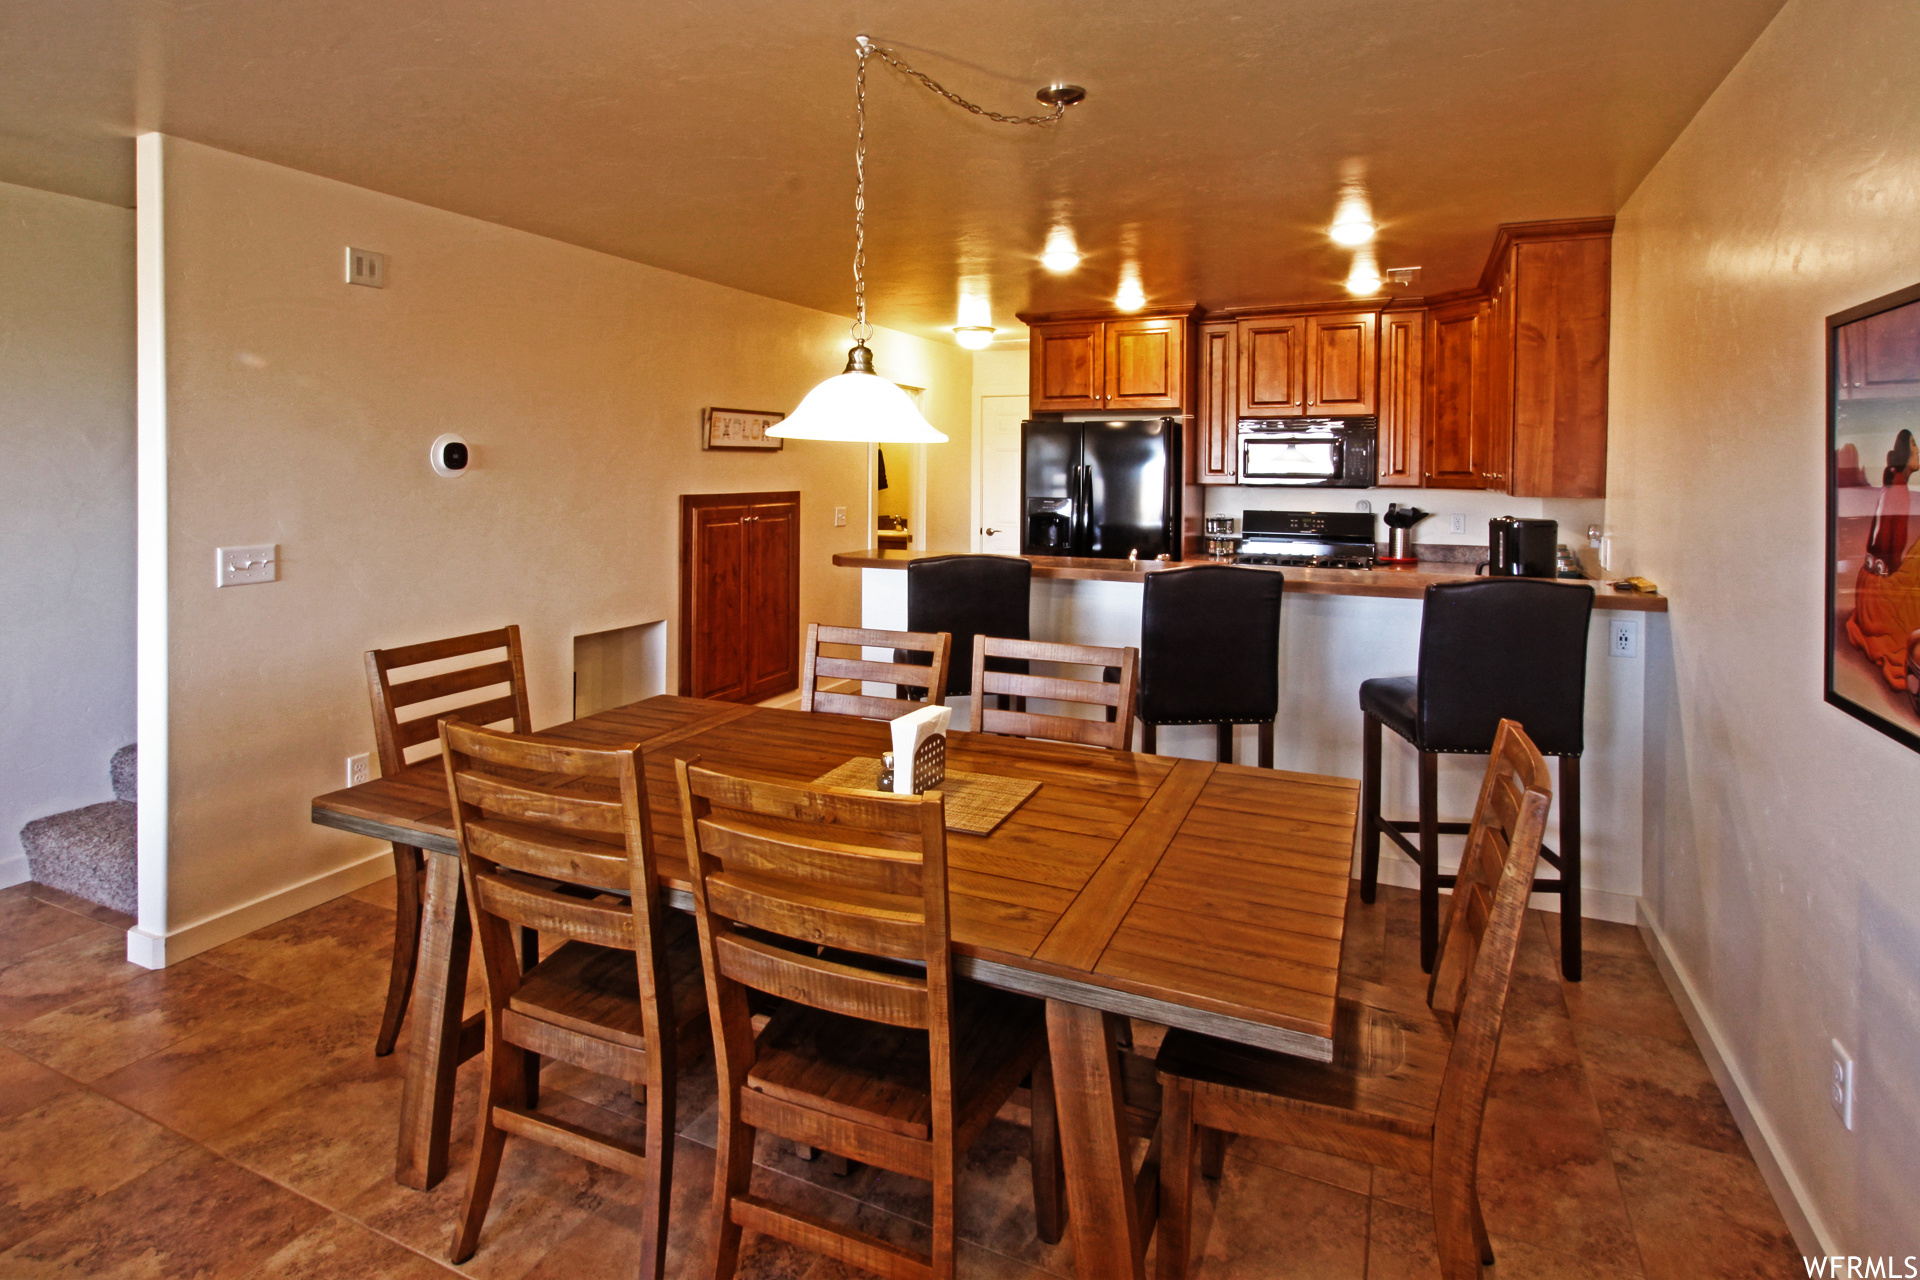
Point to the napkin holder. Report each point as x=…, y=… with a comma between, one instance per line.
x=920, y=750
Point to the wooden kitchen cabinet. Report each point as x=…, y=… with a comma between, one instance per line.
x=1340, y=349
x=1516, y=370
x=739, y=595
x=1068, y=366
x=1456, y=442
x=1216, y=417
x=1402, y=398
x=1549, y=368
x=1272, y=366
x=1146, y=364
x=1135, y=363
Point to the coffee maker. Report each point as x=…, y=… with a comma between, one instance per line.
x=1519, y=548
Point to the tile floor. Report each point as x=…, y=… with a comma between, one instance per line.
x=226, y=1118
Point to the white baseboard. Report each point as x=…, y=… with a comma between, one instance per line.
x=14, y=871
x=1810, y=1233
x=1595, y=904
x=154, y=951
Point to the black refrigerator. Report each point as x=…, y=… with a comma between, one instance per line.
x=1102, y=489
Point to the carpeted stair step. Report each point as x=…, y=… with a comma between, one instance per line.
x=92, y=853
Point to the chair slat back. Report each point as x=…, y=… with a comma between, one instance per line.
x=394, y=736
x=1114, y=693
x=527, y=811
x=862, y=874
x=819, y=665
x=1480, y=941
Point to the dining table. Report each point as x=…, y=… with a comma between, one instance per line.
x=1182, y=892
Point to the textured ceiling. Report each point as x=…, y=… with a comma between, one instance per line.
x=715, y=138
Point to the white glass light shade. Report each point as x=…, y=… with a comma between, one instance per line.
x=1355, y=232
x=858, y=406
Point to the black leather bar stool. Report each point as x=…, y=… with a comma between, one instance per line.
x=1210, y=652
x=1513, y=649
x=966, y=596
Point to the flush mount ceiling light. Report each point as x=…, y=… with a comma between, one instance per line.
x=1355, y=232
x=974, y=336
x=858, y=404
x=1130, y=296
x=1061, y=254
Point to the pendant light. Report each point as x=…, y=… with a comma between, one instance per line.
x=858, y=404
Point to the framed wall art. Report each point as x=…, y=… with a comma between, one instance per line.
x=738, y=429
x=1873, y=564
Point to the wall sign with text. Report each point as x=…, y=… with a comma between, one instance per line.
x=738, y=429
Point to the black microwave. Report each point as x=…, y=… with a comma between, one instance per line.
x=1331, y=453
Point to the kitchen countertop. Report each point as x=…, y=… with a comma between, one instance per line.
x=1405, y=584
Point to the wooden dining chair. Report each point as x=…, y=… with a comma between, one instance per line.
x=394, y=737
x=930, y=680
x=621, y=996
x=1113, y=694
x=836, y=902
x=1407, y=1087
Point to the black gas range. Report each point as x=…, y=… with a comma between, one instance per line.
x=1308, y=539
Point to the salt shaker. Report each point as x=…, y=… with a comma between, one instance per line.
x=886, y=772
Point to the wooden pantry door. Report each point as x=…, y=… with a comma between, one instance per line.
x=739, y=595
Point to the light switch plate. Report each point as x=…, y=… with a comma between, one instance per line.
x=364, y=266
x=239, y=566
x=839, y=517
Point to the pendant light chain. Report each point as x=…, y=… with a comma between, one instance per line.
x=861, y=329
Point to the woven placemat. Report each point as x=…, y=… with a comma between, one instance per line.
x=976, y=802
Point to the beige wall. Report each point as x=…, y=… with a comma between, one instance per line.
x=66, y=505
x=1783, y=866
x=299, y=412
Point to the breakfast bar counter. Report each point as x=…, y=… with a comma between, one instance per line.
x=1339, y=627
x=1394, y=584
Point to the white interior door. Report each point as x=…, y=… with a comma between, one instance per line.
x=1000, y=419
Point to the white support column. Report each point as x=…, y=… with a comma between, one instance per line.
x=146, y=941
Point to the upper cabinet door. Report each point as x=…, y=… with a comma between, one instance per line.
x=1217, y=419
x=1559, y=335
x=1402, y=379
x=1146, y=364
x=1067, y=366
x=1341, y=363
x=1455, y=444
x=1273, y=367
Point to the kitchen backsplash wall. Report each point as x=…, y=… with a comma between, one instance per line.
x=1475, y=506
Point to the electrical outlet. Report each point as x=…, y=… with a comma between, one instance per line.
x=1624, y=639
x=1841, y=1086
x=1457, y=523
x=359, y=769
x=839, y=517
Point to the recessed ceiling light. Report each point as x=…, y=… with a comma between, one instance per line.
x=1353, y=232
x=1130, y=296
x=973, y=336
x=1363, y=281
x=1061, y=254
